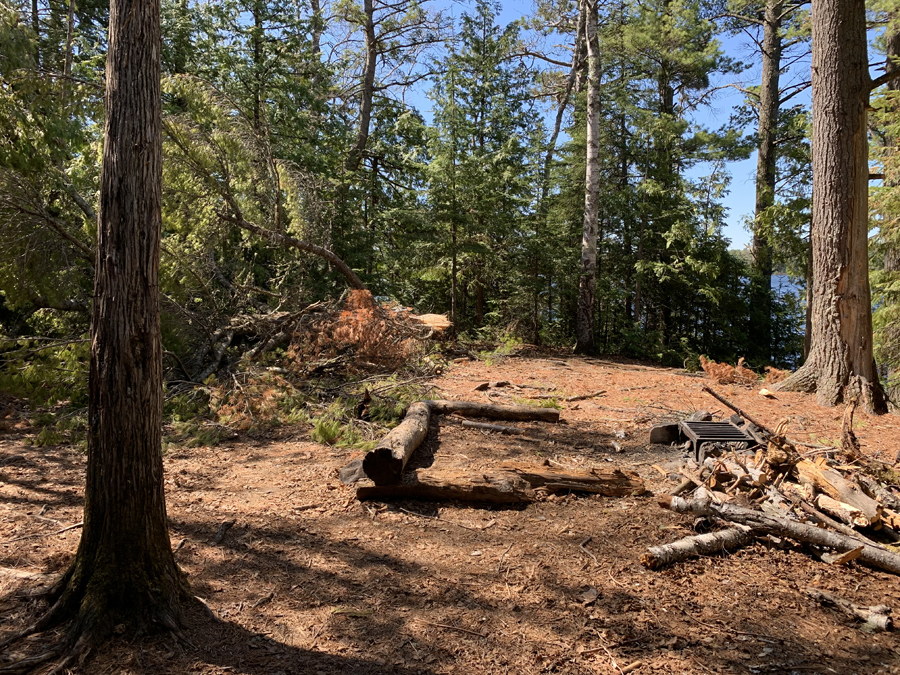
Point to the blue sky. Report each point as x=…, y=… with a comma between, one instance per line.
x=740, y=199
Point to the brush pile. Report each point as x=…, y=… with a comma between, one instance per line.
x=839, y=505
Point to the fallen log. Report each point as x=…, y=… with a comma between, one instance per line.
x=697, y=545
x=508, y=484
x=496, y=412
x=495, y=487
x=837, y=487
x=606, y=482
x=876, y=615
x=782, y=527
x=384, y=463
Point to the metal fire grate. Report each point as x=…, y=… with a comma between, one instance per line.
x=713, y=432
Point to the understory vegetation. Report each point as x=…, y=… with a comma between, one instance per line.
x=441, y=160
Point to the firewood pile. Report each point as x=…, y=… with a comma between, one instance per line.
x=839, y=505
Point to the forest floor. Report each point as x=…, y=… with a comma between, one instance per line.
x=309, y=580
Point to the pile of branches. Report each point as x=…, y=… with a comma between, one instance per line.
x=840, y=505
x=723, y=373
x=354, y=333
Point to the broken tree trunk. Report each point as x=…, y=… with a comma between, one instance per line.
x=782, y=527
x=509, y=484
x=697, y=545
x=876, y=615
x=837, y=487
x=384, y=464
x=496, y=412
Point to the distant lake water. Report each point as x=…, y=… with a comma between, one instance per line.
x=783, y=285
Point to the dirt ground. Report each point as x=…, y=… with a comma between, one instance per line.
x=309, y=580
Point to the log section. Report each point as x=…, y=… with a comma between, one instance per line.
x=495, y=412
x=384, y=464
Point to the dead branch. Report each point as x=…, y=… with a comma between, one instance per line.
x=782, y=527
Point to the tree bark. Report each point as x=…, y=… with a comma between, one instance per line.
x=584, y=323
x=766, y=173
x=368, y=88
x=695, y=546
x=841, y=365
x=385, y=463
x=124, y=571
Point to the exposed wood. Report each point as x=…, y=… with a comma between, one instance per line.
x=837, y=487
x=843, y=512
x=842, y=558
x=496, y=487
x=496, y=412
x=607, y=482
x=877, y=491
x=849, y=442
x=510, y=483
x=697, y=545
x=878, y=616
x=783, y=527
x=832, y=523
x=385, y=462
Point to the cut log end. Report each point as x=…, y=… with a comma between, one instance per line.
x=382, y=467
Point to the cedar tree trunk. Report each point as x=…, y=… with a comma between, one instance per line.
x=124, y=571
x=840, y=365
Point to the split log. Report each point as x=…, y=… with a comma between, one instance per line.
x=843, y=512
x=606, y=482
x=496, y=412
x=495, y=487
x=697, y=545
x=831, y=522
x=783, y=527
x=384, y=464
x=877, y=615
x=837, y=487
x=508, y=484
